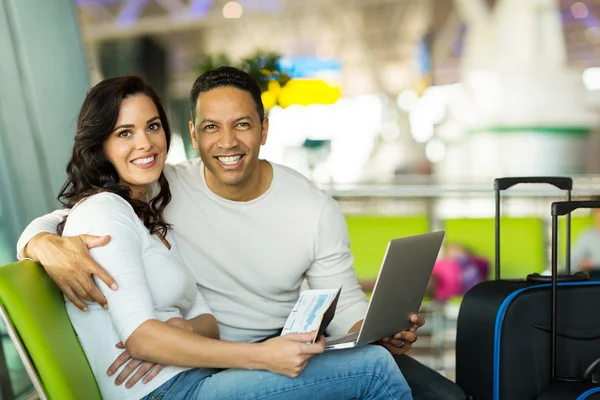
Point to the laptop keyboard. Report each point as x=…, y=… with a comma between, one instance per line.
x=351, y=337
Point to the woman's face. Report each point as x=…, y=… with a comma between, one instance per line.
x=137, y=146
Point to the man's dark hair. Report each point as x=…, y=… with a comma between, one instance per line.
x=226, y=76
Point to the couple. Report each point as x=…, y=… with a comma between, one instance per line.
x=237, y=240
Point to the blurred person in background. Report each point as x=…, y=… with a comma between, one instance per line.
x=586, y=250
x=457, y=271
x=249, y=230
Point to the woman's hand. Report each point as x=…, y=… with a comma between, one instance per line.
x=146, y=370
x=289, y=354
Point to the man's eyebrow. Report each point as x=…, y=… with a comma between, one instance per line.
x=210, y=121
x=242, y=118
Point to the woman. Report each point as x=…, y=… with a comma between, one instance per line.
x=115, y=186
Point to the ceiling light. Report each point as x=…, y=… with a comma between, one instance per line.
x=579, y=10
x=233, y=10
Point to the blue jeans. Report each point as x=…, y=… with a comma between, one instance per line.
x=368, y=373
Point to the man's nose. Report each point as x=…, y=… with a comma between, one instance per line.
x=228, y=138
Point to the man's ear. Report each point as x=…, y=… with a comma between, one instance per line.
x=193, y=135
x=264, y=131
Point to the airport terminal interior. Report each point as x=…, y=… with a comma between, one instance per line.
x=405, y=111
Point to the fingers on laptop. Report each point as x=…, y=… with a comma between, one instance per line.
x=417, y=320
x=407, y=336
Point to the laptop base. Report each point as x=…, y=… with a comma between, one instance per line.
x=341, y=342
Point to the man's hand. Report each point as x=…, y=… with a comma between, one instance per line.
x=402, y=342
x=68, y=262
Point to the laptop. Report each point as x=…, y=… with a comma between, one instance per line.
x=399, y=290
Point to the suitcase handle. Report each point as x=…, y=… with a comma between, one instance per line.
x=589, y=372
x=565, y=207
x=561, y=208
x=500, y=184
x=563, y=183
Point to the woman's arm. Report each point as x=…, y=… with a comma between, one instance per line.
x=158, y=342
x=161, y=343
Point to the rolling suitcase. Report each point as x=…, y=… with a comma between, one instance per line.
x=586, y=384
x=504, y=331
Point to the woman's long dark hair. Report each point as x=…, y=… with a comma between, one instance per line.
x=90, y=172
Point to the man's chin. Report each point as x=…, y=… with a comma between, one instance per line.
x=231, y=180
x=227, y=178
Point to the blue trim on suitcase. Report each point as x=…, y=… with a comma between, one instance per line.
x=585, y=395
x=500, y=319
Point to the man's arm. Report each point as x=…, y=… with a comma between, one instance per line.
x=333, y=267
x=66, y=260
x=200, y=318
x=44, y=224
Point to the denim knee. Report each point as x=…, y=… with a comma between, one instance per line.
x=383, y=365
x=382, y=359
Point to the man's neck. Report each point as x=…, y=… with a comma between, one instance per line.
x=257, y=185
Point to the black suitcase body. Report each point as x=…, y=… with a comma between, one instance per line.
x=504, y=346
x=504, y=331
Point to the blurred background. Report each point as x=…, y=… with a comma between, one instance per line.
x=405, y=110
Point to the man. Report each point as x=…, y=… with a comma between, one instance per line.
x=251, y=231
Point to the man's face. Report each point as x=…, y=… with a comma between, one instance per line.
x=228, y=133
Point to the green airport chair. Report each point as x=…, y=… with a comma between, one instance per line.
x=522, y=242
x=370, y=235
x=33, y=310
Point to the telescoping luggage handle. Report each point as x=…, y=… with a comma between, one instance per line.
x=561, y=208
x=500, y=184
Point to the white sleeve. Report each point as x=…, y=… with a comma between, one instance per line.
x=333, y=267
x=109, y=214
x=199, y=307
x=580, y=250
x=45, y=223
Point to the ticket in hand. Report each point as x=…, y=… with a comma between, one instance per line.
x=313, y=311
